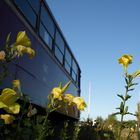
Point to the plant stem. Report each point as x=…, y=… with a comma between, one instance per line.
x=122, y=114
x=41, y=135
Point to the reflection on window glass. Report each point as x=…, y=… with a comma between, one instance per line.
x=59, y=41
x=74, y=76
x=68, y=56
x=67, y=67
x=47, y=21
x=24, y=6
x=74, y=66
x=45, y=36
x=34, y=4
x=58, y=54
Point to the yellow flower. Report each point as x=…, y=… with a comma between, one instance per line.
x=80, y=103
x=68, y=98
x=125, y=60
x=136, y=74
x=2, y=55
x=8, y=98
x=30, y=51
x=57, y=93
x=20, y=50
x=8, y=119
x=23, y=39
x=16, y=84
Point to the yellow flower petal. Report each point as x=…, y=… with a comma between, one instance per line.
x=68, y=98
x=30, y=52
x=20, y=50
x=8, y=99
x=136, y=74
x=14, y=108
x=16, y=84
x=2, y=55
x=8, y=119
x=8, y=96
x=57, y=93
x=22, y=39
x=80, y=103
x=125, y=60
x=2, y=105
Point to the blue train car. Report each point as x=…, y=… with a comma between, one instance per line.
x=54, y=61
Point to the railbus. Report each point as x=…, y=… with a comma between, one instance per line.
x=54, y=61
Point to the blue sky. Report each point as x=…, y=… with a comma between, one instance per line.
x=99, y=32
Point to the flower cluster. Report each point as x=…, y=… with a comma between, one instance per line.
x=8, y=100
x=20, y=113
x=125, y=60
x=57, y=94
x=21, y=46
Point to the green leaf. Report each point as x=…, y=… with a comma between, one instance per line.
x=131, y=113
x=118, y=108
x=7, y=40
x=126, y=80
x=121, y=107
x=130, y=78
x=126, y=109
x=131, y=89
x=60, y=85
x=121, y=96
x=66, y=86
x=117, y=113
x=127, y=97
x=133, y=84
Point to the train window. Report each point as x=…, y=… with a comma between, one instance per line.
x=74, y=66
x=35, y=5
x=74, y=70
x=47, y=21
x=68, y=56
x=25, y=8
x=59, y=41
x=67, y=61
x=74, y=76
x=58, y=54
x=67, y=67
x=45, y=36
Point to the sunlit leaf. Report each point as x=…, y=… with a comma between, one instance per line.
x=65, y=86
x=60, y=85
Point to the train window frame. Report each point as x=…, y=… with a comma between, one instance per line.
x=47, y=21
x=59, y=41
x=46, y=37
x=26, y=13
x=58, y=53
x=33, y=4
